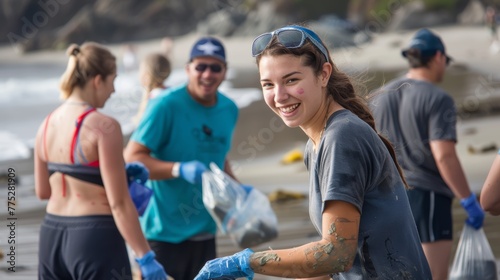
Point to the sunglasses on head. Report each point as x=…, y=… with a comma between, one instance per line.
x=215, y=68
x=290, y=37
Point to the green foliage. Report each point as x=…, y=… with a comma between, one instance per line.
x=495, y=3
x=433, y=5
x=384, y=5
x=430, y=5
x=304, y=10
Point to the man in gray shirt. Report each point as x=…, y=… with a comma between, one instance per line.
x=419, y=118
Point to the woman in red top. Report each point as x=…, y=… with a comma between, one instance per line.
x=79, y=168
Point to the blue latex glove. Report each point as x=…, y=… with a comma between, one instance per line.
x=247, y=188
x=136, y=172
x=191, y=171
x=231, y=267
x=150, y=268
x=141, y=195
x=474, y=211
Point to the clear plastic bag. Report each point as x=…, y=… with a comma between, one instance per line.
x=246, y=217
x=474, y=258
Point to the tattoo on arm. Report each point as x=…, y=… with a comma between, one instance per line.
x=340, y=245
x=263, y=258
x=333, y=253
x=333, y=230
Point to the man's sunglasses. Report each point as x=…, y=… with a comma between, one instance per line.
x=448, y=60
x=290, y=37
x=215, y=68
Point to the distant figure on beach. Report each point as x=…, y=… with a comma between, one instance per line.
x=181, y=132
x=153, y=71
x=491, y=23
x=79, y=167
x=129, y=57
x=167, y=45
x=420, y=119
x=490, y=193
x=357, y=192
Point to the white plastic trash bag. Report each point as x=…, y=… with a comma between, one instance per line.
x=474, y=258
x=247, y=217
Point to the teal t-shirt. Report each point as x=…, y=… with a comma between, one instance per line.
x=175, y=127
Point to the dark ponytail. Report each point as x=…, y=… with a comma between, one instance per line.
x=342, y=90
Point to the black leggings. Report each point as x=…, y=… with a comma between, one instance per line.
x=184, y=260
x=82, y=247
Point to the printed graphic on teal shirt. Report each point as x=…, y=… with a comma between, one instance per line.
x=208, y=141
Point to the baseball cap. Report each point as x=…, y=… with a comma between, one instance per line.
x=208, y=46
x=427, y=42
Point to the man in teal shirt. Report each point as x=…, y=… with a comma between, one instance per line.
x=182, y=130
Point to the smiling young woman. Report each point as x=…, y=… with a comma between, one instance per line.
x=357, y=192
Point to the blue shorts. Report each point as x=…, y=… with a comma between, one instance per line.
x=432, y=214
x=82, y=247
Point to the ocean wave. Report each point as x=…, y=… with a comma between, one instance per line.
x=12, y=147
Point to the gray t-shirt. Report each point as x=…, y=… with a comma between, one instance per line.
x=353, y=165
x=412, y=113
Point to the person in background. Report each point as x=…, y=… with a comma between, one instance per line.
x=153, y=71
x=182, y=130
x=129, y=57
x=420, y=119
x=79, y=167
x=490, y=193
x=491, y=22
x=357, y=193
x=167, y=45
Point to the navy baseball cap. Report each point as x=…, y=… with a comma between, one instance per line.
x=427, y=43
x=208, y=46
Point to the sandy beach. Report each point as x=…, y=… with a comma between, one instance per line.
x=261, y=139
